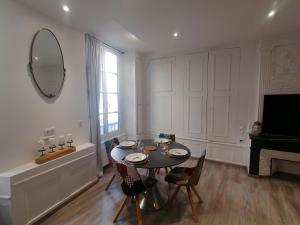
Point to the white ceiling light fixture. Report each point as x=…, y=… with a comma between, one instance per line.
x=66, y=8
x=271, y=13
x=175, y=34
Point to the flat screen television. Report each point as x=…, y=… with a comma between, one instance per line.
x=281, y=115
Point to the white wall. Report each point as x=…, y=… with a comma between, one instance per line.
x=131, y=94
x=173, y=111
x=24, y=114
x=139, y=75
x=128, y=94
x=249, y=83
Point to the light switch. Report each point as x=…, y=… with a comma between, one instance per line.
x=242, y=129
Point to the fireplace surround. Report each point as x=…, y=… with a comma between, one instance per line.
x=264, y=149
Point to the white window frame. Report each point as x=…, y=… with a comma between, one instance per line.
x=108, y=135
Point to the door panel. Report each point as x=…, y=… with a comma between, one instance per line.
x=222, y=95
x=220, y=112
x=160, y=71
x=160, y=112
x=195, y=114
x=222, y=73
x=160, y=95
x=195, y=95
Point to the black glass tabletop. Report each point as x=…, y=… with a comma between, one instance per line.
x=157, y=158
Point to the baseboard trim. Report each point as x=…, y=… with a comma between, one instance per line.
x=206, y=141
x=236, y=145
x=5, y=197
x=225, y=162
x=42, y=217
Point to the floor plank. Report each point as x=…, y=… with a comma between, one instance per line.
x=229, y=196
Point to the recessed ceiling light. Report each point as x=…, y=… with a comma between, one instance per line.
x=272, y=13
x=175, y=34
x=66, y=8
x=36, y=58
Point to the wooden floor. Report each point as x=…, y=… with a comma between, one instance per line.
x=229, y=196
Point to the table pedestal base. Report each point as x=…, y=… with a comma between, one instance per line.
x=153, y=199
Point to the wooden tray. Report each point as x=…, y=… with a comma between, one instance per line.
x=48, y=156
x=150, y=148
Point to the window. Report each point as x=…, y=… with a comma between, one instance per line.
x=109, y=94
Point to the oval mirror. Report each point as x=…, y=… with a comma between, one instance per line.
x=47, y=63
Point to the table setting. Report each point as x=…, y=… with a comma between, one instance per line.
x=138, y=152
x=151, y=154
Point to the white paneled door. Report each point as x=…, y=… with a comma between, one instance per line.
x=210, y=93
x=195, y=94
x=160, y=95
x=223, y=75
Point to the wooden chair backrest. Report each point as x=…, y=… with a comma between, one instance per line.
x=198, y=170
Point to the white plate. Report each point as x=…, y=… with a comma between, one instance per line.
x=136, y=157
x=161, y=140
x=127, y=144
x=178, y=152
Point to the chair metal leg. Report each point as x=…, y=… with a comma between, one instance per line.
x=138, y=210
x=132, y=199
x=120, y=208
x=166, y=170
x=110, y=181
x=174, y=194
x=157, y=170
x=147, y=197
x=197, y=194
x=194, y=212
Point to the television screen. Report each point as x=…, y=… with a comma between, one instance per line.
x=281, y=115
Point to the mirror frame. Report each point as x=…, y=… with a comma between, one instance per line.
x=31, y=62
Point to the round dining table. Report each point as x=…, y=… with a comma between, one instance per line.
x=156, y=159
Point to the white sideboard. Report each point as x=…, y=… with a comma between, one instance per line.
x=30, y=191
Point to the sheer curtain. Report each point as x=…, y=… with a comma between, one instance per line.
x=93, y=70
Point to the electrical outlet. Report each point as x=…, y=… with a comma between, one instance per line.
x=49, y=131
x=52, y=130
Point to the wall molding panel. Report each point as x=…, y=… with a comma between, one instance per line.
x=223, y=79
x=195, y=94
x=161, y=75
x=199, y=104
x=160, y=112
x=195, y=110
x=160, y=95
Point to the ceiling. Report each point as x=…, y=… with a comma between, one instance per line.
x=147, y=26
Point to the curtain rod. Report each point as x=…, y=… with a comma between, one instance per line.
x=105, y=44
x=109, y=46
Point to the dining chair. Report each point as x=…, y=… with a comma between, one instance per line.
x=172, y=138
x=132, y=185
x=109, y=145
x=188, y=177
